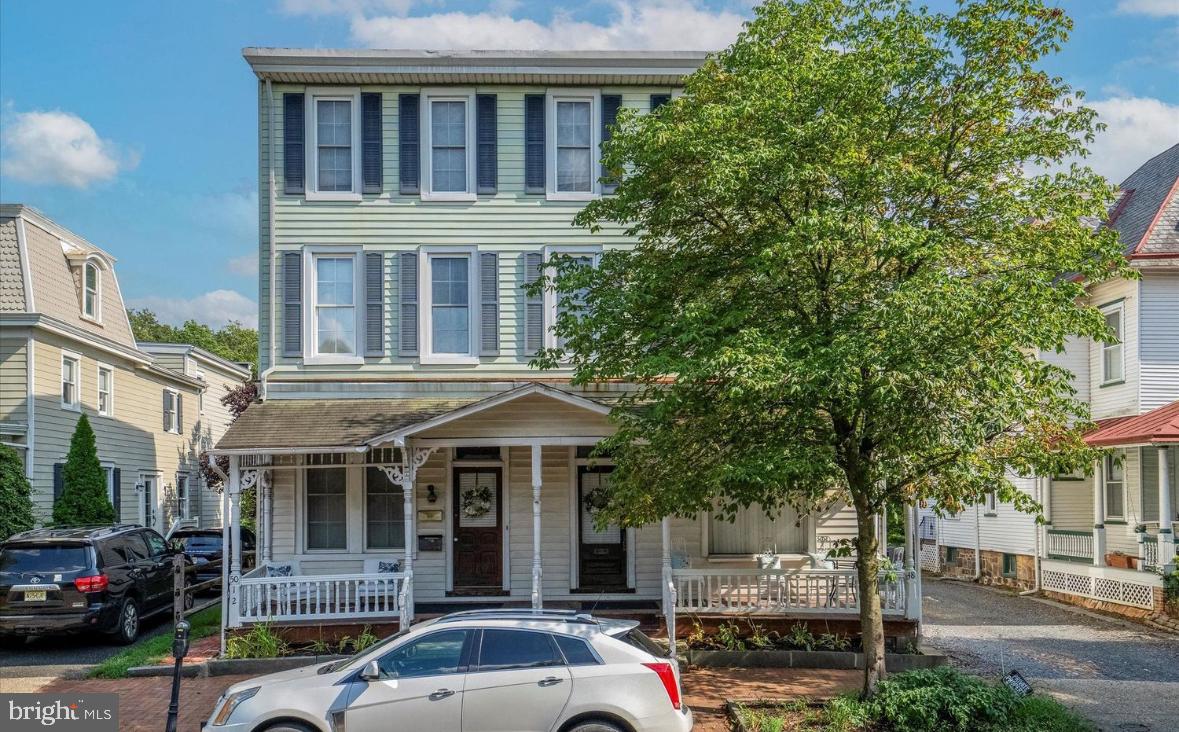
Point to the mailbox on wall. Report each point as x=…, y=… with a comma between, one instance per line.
x=429, y=543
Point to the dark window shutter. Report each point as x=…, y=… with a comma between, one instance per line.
x=610, y=105
x=179, y=412
x=370, y=142
x=292, y=303
x=294, y=161
x=164, y=409
x=117, y=493
x=485, y=134
x=58, y=480
x=658, y=100
x=534, y=165
x=534, y=305
x=408, y=141
x=374, y=313
x=489, y=303
x=407, y=274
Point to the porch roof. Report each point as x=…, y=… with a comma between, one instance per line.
x=1159, y=426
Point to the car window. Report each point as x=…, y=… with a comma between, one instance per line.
x=577, y=651
x=111, y=554
x=432, y=655
x=155, y=543
x=639, y=640
x=38, y=558
x=135, y=548
x=508, y=649
x=199, y=542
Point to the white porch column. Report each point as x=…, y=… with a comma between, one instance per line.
x=233, y=528
x=537, y=593
x=1166, y=512
x=268, y=516
x=669, y=594
x=224, y=543
x=1099, y=514
x=912, y=597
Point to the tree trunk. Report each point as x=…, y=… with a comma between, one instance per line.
x=871, y=620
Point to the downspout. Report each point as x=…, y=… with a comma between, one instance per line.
x=270, y=198
x=30, y=401
x=977, y=546
x=1039, y=528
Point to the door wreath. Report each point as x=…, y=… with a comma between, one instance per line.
x=595, y=501
x=476, y=502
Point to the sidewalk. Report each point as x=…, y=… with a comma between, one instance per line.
x=143, y=702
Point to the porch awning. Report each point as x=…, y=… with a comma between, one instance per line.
x=310, y=424
x=1158, y=426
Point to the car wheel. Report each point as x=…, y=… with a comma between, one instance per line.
x=593, y=725
x=288, y=727
x=127, y=629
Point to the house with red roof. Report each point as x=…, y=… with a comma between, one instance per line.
x=1108, y=530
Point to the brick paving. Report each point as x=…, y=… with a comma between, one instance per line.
x=143, y=702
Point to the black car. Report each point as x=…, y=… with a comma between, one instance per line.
x=97, y=578
x=203, y=546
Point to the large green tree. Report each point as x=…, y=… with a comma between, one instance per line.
x=233, y=341
x=83, y=498
x=16, y=505
x=845, y=266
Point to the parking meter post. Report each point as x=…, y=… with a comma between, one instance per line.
x=179, y=651
x=177, y=588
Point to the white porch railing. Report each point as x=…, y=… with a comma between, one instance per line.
x=1064, y=544
x=1150, y=552
x=776, y=591
x=322, y=597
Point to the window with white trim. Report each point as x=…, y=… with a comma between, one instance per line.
x=108, y=474
x=384, y=511
x=91, y=290
x=753, y=532
x=182, y=494
x=581, y=256
x=573, y=138
x=106, y=390
x=171, y=411
x=71, y=397
x=1113, y=363
x=991, y=502
x=448, y=152
x=1114, y=477
x=326, y=508
x=448, y=290
x=333, y=146
x=335, y=305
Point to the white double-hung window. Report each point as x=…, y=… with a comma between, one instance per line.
x=333, y=145
x=71, y=396
x=448, y=149
x=1113, y=355
x=573, y=135
x=449, y=293
x=91, y=291
x=332, y=317
x=106, y=390
x=556, y=303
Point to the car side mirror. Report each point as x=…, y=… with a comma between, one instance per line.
x=371, y=672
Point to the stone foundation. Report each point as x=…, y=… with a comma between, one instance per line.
x=992, y=568
x=1156, y=614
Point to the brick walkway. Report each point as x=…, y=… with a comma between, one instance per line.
x=143, y=703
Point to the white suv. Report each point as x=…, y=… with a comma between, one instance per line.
x=477, y=671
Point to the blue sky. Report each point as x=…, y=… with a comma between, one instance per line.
x=137, y=128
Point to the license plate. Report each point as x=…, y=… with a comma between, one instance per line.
x=34, y=595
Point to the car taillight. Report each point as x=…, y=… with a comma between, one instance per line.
x=97, y=583
x=670, y=685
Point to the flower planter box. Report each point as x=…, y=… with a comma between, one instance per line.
x=1121, y=561
x=894, y=662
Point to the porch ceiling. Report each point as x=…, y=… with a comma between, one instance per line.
x=286, y=424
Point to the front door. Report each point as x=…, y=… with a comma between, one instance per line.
x=602, y=552
x=478, y=530
x=147, y=501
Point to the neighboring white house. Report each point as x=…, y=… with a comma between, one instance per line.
x=1131, y=388
x=408, y=452
x=66, y=349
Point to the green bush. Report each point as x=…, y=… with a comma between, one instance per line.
x=83, y=500
x=16, y=504
x=940, y=699
x=1042, y=714
x=261, y=641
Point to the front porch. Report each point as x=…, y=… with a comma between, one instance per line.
x=489, y=503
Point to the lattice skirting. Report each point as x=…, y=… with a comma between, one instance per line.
x=929, y=557
x=1099, y=588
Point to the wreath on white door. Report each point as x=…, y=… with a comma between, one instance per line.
x=476, y=502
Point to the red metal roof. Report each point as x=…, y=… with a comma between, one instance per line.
x=1158, y=426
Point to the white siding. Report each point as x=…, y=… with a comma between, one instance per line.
x=1160, y=339
x=1075, y=358
x=1121, y=398
x=1004, y=530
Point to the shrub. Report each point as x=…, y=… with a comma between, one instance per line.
x=1042, y=714
x=16, y=504
x=931, y=700
x=261, y=641
x=83, y=499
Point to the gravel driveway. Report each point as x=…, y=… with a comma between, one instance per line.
x=1124, y=678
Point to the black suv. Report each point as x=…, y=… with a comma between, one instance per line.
x=104, y=578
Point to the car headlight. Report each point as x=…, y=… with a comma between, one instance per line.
x=231, y=703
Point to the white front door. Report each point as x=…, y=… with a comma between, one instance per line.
x=148, y=496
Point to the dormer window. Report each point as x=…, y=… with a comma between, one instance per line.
x=91, y=291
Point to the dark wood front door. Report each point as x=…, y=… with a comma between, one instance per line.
x=478, y=529
x=602, y=552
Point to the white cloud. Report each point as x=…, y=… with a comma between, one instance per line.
x=59, y=148
x=246, y=265
x=1157, y=8
x=634, y=24
x=1138, y=128
x=215, y=308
